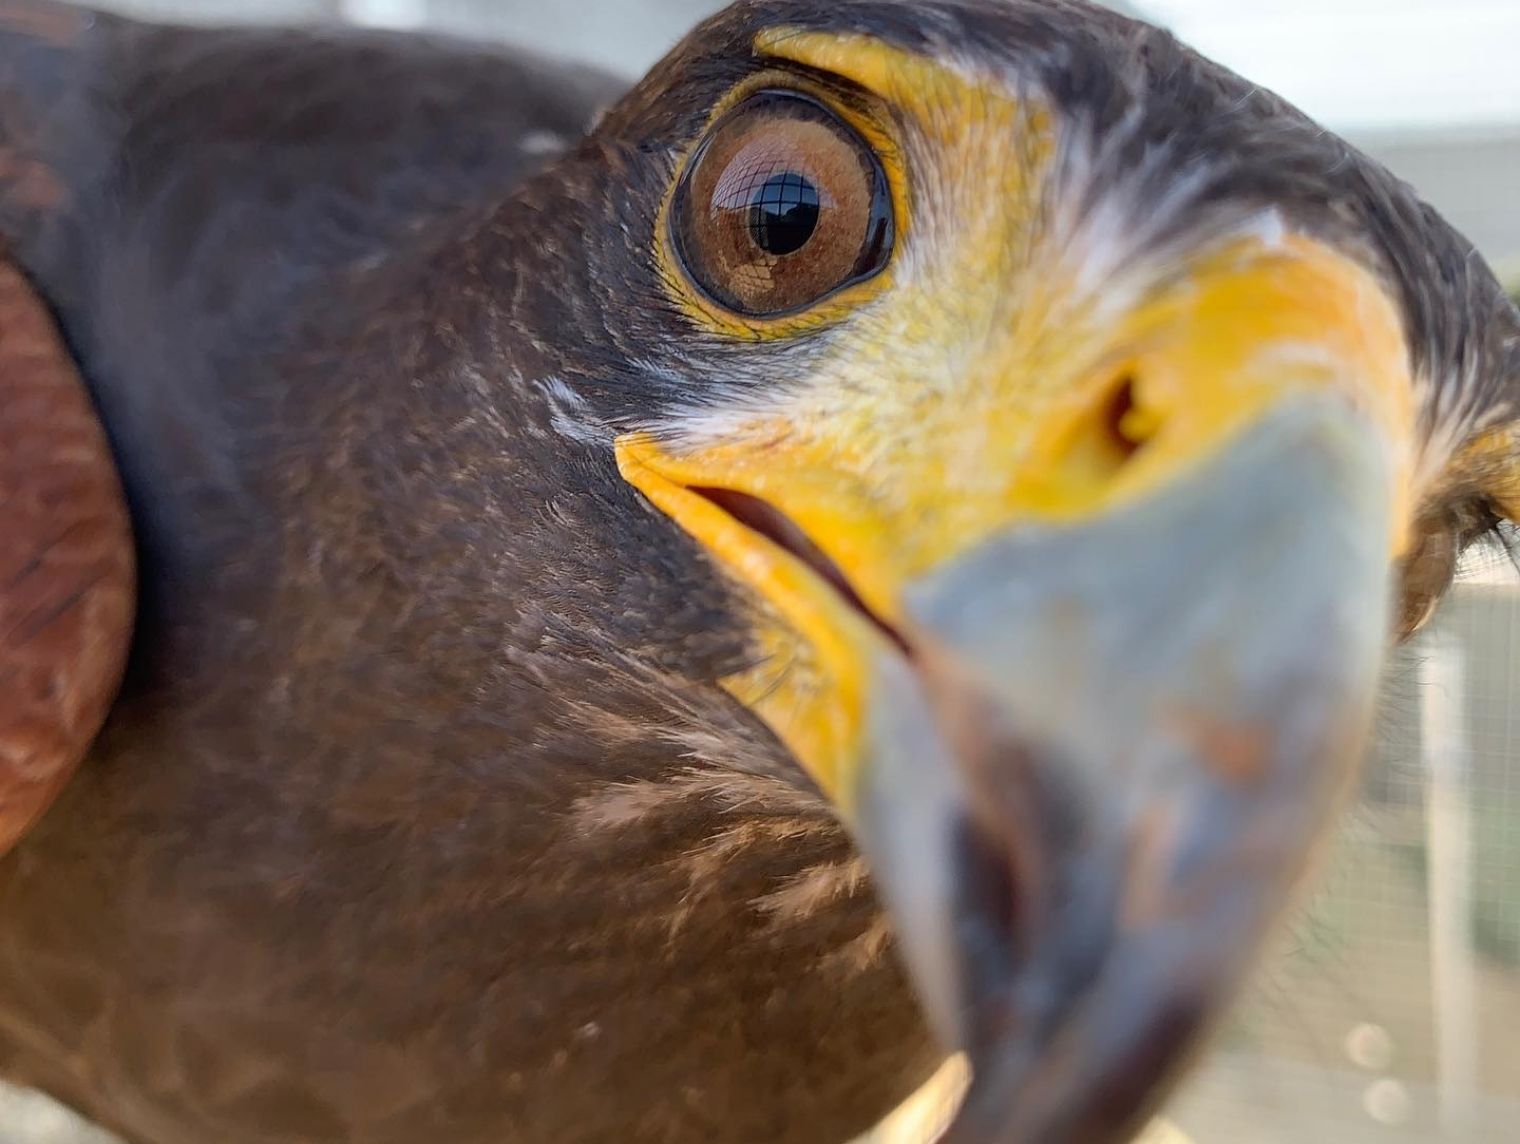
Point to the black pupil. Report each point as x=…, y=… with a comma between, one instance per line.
x=784, y=213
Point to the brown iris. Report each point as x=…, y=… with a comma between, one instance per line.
x=782, y=205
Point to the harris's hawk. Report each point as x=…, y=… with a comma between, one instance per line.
x=653, y=618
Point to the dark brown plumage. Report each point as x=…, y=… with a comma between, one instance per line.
x=326, y=875
x=421, y=814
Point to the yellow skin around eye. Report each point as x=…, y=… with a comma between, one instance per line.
x=1491, y=458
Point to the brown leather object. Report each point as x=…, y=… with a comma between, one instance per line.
x=67, y=575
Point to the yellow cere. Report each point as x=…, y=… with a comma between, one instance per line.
x=807, y=684
x=985, y=383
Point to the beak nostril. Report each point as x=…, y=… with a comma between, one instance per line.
x=1092, y=445
x=1128, y=425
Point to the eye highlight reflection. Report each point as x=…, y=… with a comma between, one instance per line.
x=783, y=213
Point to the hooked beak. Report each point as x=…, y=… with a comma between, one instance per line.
x=1107, y=764
x=1083, y=654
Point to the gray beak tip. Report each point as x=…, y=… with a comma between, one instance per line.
x=1097, y=779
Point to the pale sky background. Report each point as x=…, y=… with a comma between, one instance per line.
x=1356, y=65
x=1367, y=64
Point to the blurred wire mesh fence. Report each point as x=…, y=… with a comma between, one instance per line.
x=1390, y=1011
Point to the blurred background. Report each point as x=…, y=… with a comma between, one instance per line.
x=1390, y=1011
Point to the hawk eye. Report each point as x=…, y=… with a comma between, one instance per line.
x=782, y=204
